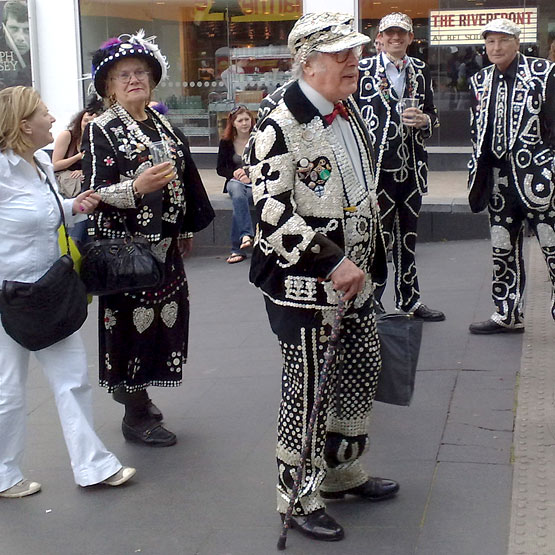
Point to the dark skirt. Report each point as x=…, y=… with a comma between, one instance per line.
x=143, y=336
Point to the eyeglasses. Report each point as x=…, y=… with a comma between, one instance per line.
x=342, y=56
x=125, y=76
x=237, y=108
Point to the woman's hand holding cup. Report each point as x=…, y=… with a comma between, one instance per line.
x=154, y=178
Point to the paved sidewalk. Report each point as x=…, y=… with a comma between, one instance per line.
x=213, y=493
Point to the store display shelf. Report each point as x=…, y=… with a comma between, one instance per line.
x=261, y=53
x=262, y=57
x=228, y=106
x=188, y=112
x=192, y=131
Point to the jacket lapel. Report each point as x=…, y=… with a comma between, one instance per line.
x=484, y=101
x=298, y=104
x=521, y=88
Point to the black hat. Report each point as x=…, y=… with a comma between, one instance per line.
x=116, y=49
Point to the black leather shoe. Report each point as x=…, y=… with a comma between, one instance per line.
x=154, y=435
x=428, y=314
x=154, y=411
x=318, y=526
x=374, y=489
x=490, y=326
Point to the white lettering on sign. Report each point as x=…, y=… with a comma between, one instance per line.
x=465, y=26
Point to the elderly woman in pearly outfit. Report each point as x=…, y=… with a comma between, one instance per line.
x=143, y=335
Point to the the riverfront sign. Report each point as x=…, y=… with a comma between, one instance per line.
x=448, y=27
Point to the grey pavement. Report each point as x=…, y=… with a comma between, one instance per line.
x=213, y=493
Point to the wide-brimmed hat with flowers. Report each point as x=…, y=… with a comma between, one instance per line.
x=126, y=46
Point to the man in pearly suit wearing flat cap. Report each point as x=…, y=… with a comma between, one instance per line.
x=319, y=238
x=511, y=172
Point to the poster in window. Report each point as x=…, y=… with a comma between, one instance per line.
x=15, y=47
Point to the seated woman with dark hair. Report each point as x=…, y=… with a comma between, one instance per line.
x=67, y=153
x=230, y=165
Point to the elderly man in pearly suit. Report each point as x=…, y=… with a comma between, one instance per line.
x=512, y=167
x=318, y=238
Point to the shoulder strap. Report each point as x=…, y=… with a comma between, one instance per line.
x=57, y=202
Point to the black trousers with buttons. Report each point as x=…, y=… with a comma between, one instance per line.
x=340, y=434
x=400, y=204
x=508, y=215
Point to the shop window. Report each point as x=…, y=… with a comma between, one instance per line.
x=221, y=52
x=453, y=62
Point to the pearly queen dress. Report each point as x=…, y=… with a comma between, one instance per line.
x=143, y=336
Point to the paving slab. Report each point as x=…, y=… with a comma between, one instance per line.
x=213, y=493
x=533, y=507
x=468, y=510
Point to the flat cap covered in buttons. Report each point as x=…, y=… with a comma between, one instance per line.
x=323, y=32
x=395, y=19
x=501, y=25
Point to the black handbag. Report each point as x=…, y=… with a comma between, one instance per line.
x=39, y=314
x=400, y=338
x=120, y=265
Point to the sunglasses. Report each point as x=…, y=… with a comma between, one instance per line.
x=237, y=108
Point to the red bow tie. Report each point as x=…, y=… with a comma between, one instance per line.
x=338, y=109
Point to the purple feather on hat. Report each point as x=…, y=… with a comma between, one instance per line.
x=110, y=42
x=161, y=108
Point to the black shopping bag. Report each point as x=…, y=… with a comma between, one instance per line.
x=400, y=337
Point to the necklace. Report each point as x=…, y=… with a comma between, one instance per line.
x=145, y=124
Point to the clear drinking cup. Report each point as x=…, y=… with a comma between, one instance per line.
x=405, y=104
x=160, y=153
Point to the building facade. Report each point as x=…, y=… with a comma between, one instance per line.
x=227, y=52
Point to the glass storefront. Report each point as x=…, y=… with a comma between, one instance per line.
x=221, y=52
x=228, y=52
x=446, y=36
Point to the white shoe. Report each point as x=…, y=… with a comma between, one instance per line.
x=21, y=489
x=120, y=477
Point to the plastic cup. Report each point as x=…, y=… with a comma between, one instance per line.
x=405, y=104
x=159, y=152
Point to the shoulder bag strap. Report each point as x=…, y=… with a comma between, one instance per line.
x=60, y=207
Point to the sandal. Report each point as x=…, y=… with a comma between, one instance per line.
x=246, y=242
x=234, y=258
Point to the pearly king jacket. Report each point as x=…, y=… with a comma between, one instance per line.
x=378, y=102
x=311, y=209
x=530, y=139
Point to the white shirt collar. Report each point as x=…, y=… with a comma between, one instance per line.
x=12, y=157
x=323, y=105
x=386, y=61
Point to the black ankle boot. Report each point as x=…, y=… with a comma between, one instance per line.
x=137, y=400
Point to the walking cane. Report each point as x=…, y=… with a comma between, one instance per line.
x=329, y=357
